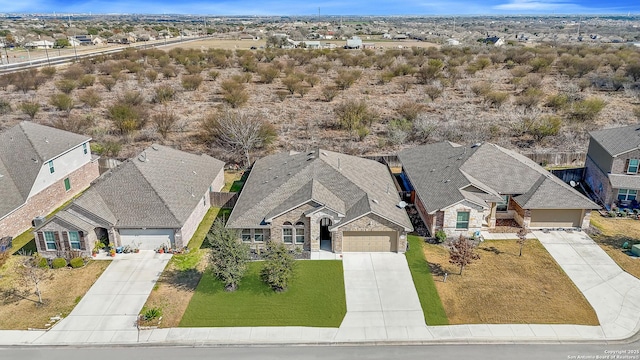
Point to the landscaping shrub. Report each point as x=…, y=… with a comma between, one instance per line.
x=278, y=267
x=76, y=262
x=42, y=262
x=441, y=236
x=152, y=313
x=66, y=86
x=191, y=82
x=163, y=94
x=61, y=102
x=86, y=81
x=108, y=82
x=587, y=109
x=30, y=108
x=58, y=263
x=90, y=97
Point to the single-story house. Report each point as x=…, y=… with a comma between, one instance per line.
x=39, y=44
x=156, y=199
x=40, y=169
x=321, y=200
x=463, y=189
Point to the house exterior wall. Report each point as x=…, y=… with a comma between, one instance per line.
x=218, y=182
x=294, y=216
x=63, y=165
x=63, y=246
x=48, y=199
x=183, y=236
x=370, y=222
x=450, y=217
x=598, y=181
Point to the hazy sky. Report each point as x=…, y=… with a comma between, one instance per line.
x=327, y=7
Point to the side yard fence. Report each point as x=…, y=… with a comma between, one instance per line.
x=224, y=200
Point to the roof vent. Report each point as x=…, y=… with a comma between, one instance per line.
x=155, y=147
x=375, y=201
x=194, y=172
x=476, y=145
x=446, y=181
x=46, y=140
x=402, y=204
x=324, y=153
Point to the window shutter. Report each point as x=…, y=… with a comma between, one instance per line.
x=56, y=236
x=65, y=241
x=83, y=243
x=41, y=244
x=626, y=165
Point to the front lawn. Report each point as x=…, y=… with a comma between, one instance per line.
x=315, y=298
x=179, y=279
x=613, y=233
x=504, y=288
x=60, y=294
x=434, y=313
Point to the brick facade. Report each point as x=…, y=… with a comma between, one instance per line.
x=63, y=246
x=49, y=199
x=311, y=220
x=599, y=183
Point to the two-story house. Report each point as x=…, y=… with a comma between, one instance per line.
x=613, y=161
x=40, y=169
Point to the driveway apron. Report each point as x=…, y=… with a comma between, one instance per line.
x=381, y=298
x=108, y=311
x=612, y=293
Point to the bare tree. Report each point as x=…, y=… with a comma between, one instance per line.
x=238, y=131
x=522, y=238
x=462, y=253
x=32, y=276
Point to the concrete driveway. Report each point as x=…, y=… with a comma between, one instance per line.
x=382, y=301
x=109, y=310
x=612, y=293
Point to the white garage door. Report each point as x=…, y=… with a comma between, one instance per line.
x=149, y=239
x=369, y=241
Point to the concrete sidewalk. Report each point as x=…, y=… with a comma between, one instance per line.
x=613, y=294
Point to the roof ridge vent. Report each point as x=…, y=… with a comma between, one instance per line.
x=375, y=201
x=155, y=147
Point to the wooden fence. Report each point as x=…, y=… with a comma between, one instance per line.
x=558, y=159
x=568, y=175
x=106, y=164
x=225, y=200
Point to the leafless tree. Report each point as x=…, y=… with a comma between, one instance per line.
x=462, y=252
x=238, y=131
x=522, y=238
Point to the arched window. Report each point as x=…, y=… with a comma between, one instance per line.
x=287, y=233
x=299, y=232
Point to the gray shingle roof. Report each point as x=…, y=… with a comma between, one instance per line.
x=443, y=173
x=346, y=184
x=620, y=181
x=618, y=140
x=158, y=189
x=24, y=149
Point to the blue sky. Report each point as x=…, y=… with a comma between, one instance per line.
x=327, y=7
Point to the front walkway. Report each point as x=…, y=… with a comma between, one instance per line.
x=108, y=311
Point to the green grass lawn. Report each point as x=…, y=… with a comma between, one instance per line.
x=434, y=313
x=315, y=298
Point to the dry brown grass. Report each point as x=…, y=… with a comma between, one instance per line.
x=503, y=288
x=174, y=291
x=60, y=294
x=613, y=233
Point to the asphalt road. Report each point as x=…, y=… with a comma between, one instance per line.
x=489, y=352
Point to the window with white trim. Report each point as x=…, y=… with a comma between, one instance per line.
x=287, y=233
x=51, y=168
x=299, y=232
x=633, y=166
x=84, y=148
x=246, y=235
x=627, y=194
x=74, y=240
x=258, y=235
x=50, y=240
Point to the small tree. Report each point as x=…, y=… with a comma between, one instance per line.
x=278, y=267
x=229, y=256
x=33, y=276
x=522, y=238
x=462, y=253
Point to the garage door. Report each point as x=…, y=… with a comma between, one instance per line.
x=556, y=218
x=149, y=239
x=369, y=241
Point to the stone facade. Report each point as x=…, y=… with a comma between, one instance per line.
x=370, y=222
x=47, y=200
x=476, y=217
x=294, y=216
